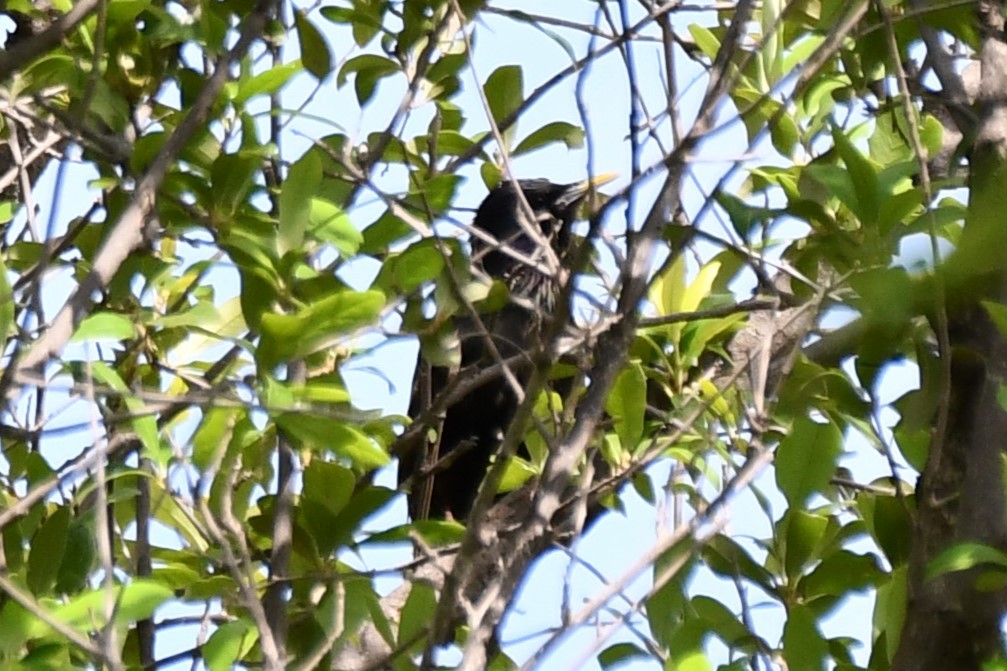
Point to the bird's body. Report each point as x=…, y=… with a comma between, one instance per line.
x=447, y=472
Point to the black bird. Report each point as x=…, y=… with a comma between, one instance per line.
x=446, y=472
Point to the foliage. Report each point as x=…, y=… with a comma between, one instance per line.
x=181, y=357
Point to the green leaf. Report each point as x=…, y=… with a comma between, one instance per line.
x=837, y=181
x=265, y=83
x=627, y=404
x=296, y=196
x=998, y=315
x=134, y=601
x=725, y=557
x=864, y=177
x=806, y=459
x=418, y=264
x=201, y=314
x=453, y=143
x=744, y=217
x=329, y=484
x=232, y=177
x=705, y=40
x=17, y=626
x=889, y=522
x=225, y=324
x=415, y=620
x=772, y=40
x=803, y=645
x=104, y=326
x=380, y=235
x=315, y=54
x=784, y=132
x=505, y=94
x=964, y=556
x=668, y=607
x=438, y=193
x=47, y=549
x=667, y=290
x=286, y=337
x=329, y=223
x=932, y=135
x=700, y=287
x=211, y=438
x=6, y=306
x=78, y=558
x=228, y=644
x=558, y=131
x=840, y=574
x=6, y=210
x=368, y=68
x=517, y=472
x=890, y=609
x=321, y=391
x=435, y=533
x=620, y=653
x=721, y=621
x=365, y=19
x=323, y=433
x=359, y=603
x=803, y=533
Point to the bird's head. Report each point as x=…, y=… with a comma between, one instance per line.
x=554, y=206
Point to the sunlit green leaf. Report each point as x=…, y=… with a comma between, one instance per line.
x=516, y=473
x=316, y=326
x=964, y=556
x=134, y=601
x=627, y=403
x=104, y=326
x=331, y=224
x=228, y=644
